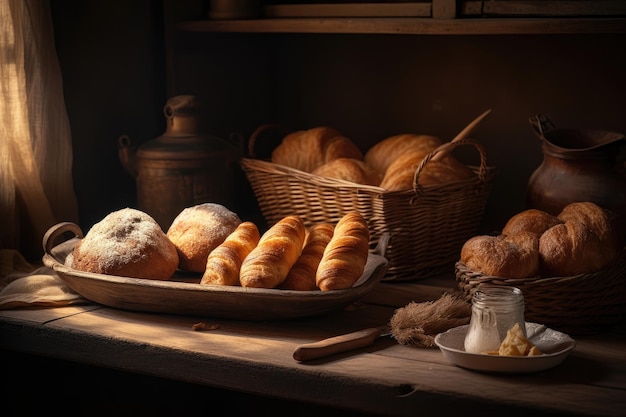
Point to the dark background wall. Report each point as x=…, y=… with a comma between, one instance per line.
x=373, y=86
x=114, y=61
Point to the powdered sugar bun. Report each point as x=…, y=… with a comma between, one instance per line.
x=199, y=229
x=127, y=243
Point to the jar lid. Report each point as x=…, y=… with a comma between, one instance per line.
x=497, y=296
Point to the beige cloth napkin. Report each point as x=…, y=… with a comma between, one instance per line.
x=24, y=285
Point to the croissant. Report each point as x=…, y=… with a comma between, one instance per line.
x=382, y=154
x=401, y=173
x=345, y=255
x=306, y=150
x=301, y=276
x=268, y=264
x=349, y=169
x=224, y=262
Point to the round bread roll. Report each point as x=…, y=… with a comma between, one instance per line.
x=598, y=220
x=199, y=229
x=570, y=248
x=514, y=256
x=349, y=169
x=127, y=243
x=531, y=220
x=385, y=152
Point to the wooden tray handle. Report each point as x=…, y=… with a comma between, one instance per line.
x=57, y=231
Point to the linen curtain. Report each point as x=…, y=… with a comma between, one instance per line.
x=36, y=186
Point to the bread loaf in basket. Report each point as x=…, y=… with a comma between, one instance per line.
x=427, y=224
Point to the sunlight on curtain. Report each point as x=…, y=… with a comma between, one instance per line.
x=36, y=188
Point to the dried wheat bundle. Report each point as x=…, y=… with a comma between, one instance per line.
x=418, y=323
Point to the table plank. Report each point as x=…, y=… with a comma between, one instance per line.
x=384, y=378
x=43, y=315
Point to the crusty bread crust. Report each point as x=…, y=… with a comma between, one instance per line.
x=306, y=150
x=127, y=243
x=199, y=229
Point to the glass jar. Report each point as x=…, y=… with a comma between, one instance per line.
x=495, y=310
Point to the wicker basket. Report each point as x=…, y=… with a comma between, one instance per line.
x=581, y=304
x=427, y=225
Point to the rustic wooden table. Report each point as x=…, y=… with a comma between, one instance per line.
x=383, y=379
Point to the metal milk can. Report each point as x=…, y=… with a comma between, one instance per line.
x=183, y=167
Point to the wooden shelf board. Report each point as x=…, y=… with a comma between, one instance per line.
x=411, y=26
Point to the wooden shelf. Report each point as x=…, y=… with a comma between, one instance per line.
x=412, y=26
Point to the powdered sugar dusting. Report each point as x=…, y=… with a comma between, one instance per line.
x=208, y=221
x=199, y=229
x=121, y=238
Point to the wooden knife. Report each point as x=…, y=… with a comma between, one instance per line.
x=338, y=344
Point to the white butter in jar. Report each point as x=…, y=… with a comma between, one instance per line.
x=495, y=309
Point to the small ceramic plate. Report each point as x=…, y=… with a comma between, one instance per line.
x=555, y=345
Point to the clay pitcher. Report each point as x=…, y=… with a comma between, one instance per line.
x=579, y=165
x=184, y=167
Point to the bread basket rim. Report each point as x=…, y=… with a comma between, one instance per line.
x=484, y=172
x=461, y=268
x=250, y=163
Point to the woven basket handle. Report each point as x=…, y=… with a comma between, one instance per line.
x=445, y=149
x=264, y=129
x=464, y=134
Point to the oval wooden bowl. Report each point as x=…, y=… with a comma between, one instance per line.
x=183, y=294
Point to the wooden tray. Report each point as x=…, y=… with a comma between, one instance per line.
x=183, y=294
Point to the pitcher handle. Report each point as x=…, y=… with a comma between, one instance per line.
x=541, y=125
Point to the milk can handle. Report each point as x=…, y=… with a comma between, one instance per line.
x=183, y=104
